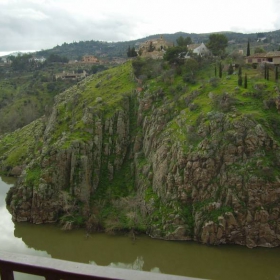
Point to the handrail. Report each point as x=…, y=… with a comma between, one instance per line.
x=54, y=269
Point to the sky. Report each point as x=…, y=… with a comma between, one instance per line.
x=43, y=24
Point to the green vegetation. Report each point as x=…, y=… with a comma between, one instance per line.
x=33, y=177
x=27, y=94
x=18, y=147
x=187, y=101
x=184, y=42
x=131, y=52
x=217, y=44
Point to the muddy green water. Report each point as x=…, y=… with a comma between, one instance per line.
x=181, y=258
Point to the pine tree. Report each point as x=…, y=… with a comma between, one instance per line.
x=245, y=81
x=248, y=48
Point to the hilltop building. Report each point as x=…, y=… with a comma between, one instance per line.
x=270, y=57
x=38, y=59
x=154, y=48
x=199, y=49
x=89, y=59
x=71, y=76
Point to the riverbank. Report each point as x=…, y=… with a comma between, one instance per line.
x=172, y=257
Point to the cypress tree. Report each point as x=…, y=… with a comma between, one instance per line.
x=240, y=76
x=215, y=71
x=248, y=48
x=267, y=74
x=133, y=52
x=230, y=69
x=276, y=73
x=245, y=81
x=240, y=80
x=220, y=70
x=129, y=52
x=239, y=71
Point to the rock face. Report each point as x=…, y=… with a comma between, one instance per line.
x=215, y=182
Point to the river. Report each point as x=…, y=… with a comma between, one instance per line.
x=172, y=257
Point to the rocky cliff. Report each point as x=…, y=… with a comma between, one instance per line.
x=178, y=163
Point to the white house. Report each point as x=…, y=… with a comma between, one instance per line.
x=199, y=49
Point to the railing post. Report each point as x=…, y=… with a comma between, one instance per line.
x=6, y=274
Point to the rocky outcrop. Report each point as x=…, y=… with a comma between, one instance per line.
x=215, y=181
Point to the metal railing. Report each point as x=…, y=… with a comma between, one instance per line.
x=54, y=269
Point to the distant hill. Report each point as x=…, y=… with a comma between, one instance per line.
x=108, y=50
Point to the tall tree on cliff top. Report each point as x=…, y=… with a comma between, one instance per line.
x=248, y=48
x=131, y=52
x=220, y=70
x=217, y=44
x=245, y=81
x=183, y=42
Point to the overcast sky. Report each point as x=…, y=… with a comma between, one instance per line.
x=43, y=24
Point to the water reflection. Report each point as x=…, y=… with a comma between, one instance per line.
x=191, y=259
x=138, y=264
x=181, y=258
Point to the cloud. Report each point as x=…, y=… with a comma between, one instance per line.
x=41, y=24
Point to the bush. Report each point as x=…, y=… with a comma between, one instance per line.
x=224, y=102
x=214, y=82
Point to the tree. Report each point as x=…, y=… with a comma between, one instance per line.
x=248, y=48
x=131, y=52
x=245, y=81
x=128, y=51
x=266, y=72
x=220, y=70
x=239, y=71
x=240, y=80
x=230, y=69
x=57, y=58
x=151, y=47
x=183, y=42
x=259, y=50
x=217, y=44
x=276, y=73
x=175, y=54
x=23, y=62
x=240, y=76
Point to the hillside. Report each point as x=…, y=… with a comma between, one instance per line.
x=27, y=95
x=151, y=147
x=108, y=50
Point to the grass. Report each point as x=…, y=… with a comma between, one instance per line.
x=18, y=146
x=102, y=100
